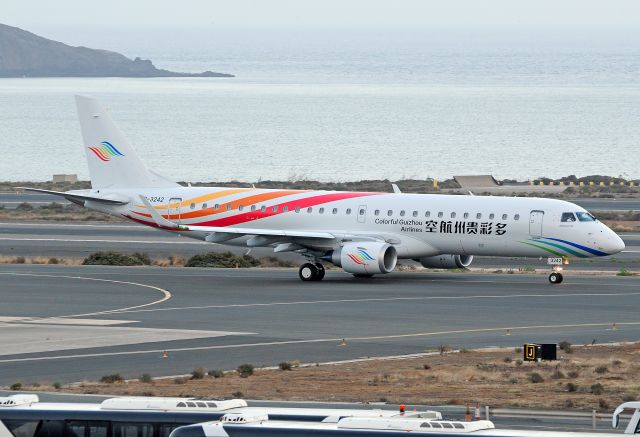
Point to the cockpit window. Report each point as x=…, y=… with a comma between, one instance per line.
x=568, y=217
x=585, y=217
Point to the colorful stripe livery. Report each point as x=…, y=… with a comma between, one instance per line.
x=105, y=151
x=313, y=199
x=361, y=257
x=550, y=245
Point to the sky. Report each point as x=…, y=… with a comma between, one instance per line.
x=391, y=15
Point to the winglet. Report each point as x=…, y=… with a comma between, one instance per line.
x=160, y=221
x=396, y=189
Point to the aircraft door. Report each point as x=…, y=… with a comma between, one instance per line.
x=535, y=223
x=174, y=209
x=362, y=213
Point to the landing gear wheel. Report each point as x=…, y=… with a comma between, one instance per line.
x=308, y=272
x=320, y=268
x=555, y=278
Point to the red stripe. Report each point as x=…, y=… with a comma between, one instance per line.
x=291, y=205
x=98, y=154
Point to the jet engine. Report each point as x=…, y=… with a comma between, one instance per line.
x=446, y=261
x=365, y=258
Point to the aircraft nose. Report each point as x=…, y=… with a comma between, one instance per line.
x=613, y=243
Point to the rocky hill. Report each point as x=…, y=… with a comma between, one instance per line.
x=24, y=54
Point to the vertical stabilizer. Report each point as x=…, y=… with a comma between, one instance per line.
x=112, y=161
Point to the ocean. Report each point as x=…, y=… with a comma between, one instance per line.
x=343, y=106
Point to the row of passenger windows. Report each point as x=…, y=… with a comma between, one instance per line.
x=377, y=212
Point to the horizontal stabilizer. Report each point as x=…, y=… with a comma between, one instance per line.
x=81, y=198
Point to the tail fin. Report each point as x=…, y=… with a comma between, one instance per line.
x=112, y=161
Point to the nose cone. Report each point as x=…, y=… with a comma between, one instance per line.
x=612, y=242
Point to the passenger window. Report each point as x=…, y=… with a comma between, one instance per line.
x=402, y=213
x=516, y=217
x=181, y=404
x=25, y=428
x=479, y=215
x=275, y=208
x=240, y=207
x=253, y=207
x=427, y=214
x=204, y=206
x=568, y=217
x=202, y=404
x=285, y=209
x=309, y=210
x=440, y=214
x=228, y=207
x=504, y=216
x=216, y=206
x=335, y=210
x=453, y=215
x=191, y=404
x=321, y=210
x=297, y=209
x=263, y=208
x=193, y=206
x=585, y=217
x=491, y=216
x=466, y=215
x=376, y=212
x=389, y=213
x=348, y=211
x=98, y=429
x=415, y=213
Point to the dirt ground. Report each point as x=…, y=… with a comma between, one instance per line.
x=589, y=377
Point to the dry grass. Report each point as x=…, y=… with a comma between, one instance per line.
x=497, y=378
x=40, y=260
x=51, y=215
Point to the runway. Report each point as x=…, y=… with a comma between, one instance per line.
x=220, y=318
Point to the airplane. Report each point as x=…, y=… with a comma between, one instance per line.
x=364, y=233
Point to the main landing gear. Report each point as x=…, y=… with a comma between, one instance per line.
x=311, y=272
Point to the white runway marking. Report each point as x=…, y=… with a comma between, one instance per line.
x=318, y=340
x=382, y=299
x=166, y=294
x=63, y=321
x=21, y=338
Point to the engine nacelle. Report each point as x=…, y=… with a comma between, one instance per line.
x=446, y=261
x=365, y=258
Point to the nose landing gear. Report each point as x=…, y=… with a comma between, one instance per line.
x=556, y=276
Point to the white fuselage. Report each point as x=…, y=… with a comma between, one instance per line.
x=419, y=225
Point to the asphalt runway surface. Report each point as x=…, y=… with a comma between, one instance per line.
x=78, y=240
x=220, y=318
x=12, y=199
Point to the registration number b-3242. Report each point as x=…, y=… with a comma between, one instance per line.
x=554, y=261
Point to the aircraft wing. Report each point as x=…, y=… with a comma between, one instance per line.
x=79, y=198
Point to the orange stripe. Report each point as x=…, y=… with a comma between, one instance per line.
x=245, y=201
x=202, y=198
